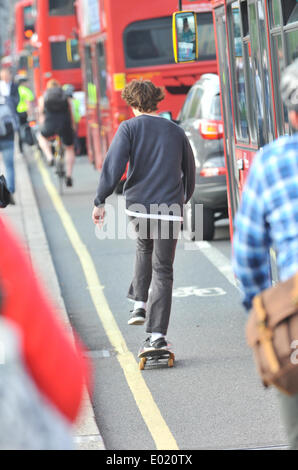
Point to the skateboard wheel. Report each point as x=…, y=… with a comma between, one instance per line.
x=142, y=363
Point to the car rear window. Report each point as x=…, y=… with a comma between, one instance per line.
x=215, y=110
x=195, y=103
x=184, y=111
x=200, y=104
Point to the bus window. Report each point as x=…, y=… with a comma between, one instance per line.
x=149, y=42
x=247, y=89
x=61, y=7
x=255, y=116
x=283, y=13
x=207, y=50
x=294, y=15
x=224, y=75
x=290, y=11
x=265, y=74
x=59, y=56
x=102, y=72
x=284, y=40
x=292, y=45
x=239, y=84
x=91, y=87
x=257, y=76
x=278, y=62
x=274, y=13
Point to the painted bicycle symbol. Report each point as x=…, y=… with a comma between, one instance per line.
x=194, y=290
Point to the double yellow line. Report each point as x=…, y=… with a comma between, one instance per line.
x=150, y=412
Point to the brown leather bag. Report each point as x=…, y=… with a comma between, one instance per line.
x=272, y=333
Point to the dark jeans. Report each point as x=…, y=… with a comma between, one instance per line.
x=23, y=118
x=7, y=150
x=154, y=266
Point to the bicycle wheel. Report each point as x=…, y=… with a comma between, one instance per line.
x=60, y=172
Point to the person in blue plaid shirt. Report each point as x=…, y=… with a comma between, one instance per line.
x=268, y=217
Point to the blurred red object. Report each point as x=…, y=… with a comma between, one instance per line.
x=123, y=177
x=58, y=368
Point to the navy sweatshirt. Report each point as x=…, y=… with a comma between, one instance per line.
x=161, y=163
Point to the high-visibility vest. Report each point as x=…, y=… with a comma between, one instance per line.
x=26, y=95
x=76, y=110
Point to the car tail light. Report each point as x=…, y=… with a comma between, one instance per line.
x=211, y=129
x=213, y=167
x=207, y=172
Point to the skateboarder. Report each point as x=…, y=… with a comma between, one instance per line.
x=160, y=179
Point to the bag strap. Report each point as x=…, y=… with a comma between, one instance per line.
x=265, y=333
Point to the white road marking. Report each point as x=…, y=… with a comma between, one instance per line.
x=194, y=290
x=220, y=261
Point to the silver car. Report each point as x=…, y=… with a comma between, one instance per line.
x=201, y=119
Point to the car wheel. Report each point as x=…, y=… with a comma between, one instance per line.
x=192, y=227
x=208, y=224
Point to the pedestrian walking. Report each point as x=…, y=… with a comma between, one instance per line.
x=56, y=369
x=9, y=99
x=160, y=179
x=268, y=217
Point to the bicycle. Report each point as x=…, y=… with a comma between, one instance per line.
x=59, y=162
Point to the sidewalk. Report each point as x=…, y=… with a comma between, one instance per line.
x=26, y=220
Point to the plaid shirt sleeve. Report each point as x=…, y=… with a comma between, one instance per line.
x=251, y=238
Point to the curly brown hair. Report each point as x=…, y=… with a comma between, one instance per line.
x=143, y=95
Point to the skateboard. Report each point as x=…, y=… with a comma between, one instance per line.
x=156, y=358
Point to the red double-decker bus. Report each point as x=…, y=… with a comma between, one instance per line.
x=122, y=40
x=255, y=41
x=55, y=48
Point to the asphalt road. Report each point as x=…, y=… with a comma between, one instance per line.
x=212, y=397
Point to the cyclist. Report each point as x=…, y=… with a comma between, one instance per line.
x=268, y=216
x=56, y=118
